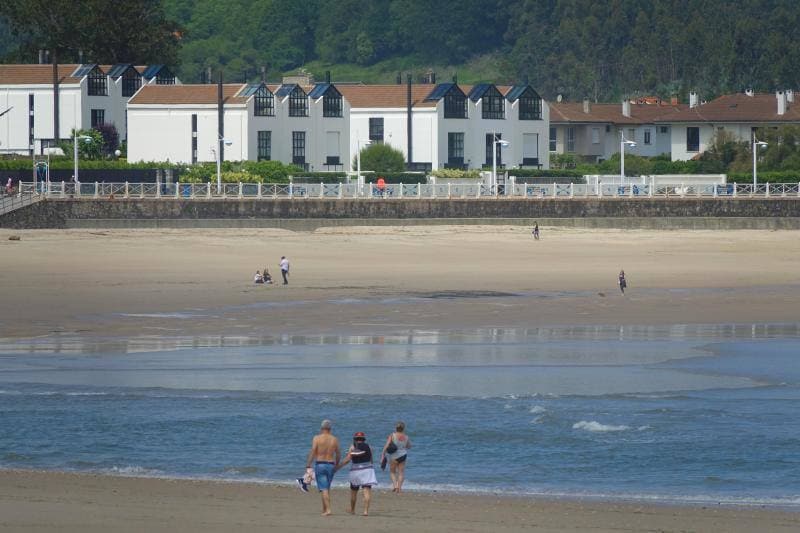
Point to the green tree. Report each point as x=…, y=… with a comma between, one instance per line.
x=381, y=158
x=90, y=144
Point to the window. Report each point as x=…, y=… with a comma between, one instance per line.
x=165, y=77
x=632, y=134
x=98, y=83
x=530, y=149
x=98, y=117
x=595, y=135
x=455, y=104
x=530, y=106
x=194, y=139
x=265, y=145
x=553, y=139
x=647, y=136
x=299, y=147
x=490, y=138
x=493, y=104
x=131, y=81
x=376, y=129
x=692, y=139
x=664, y=129
x=455, y=149
x=332, y=103
x=570, y=139
x=332, y=141
x=263, y=103
x=31, y=138
x=298, y=104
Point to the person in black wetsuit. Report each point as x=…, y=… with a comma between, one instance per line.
x=362, y=472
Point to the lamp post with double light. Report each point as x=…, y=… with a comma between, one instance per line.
x=503, y=144
x=622, y=143
x=756, y=144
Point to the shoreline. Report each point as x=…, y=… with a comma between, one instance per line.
x=69, y=502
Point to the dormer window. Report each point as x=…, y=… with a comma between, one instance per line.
x=264, y=103
x=332, y=103
x=455, y=105
x=298, y=103
x=98, y=82
x=530, y=105
x=131, y=81
x=165, y=77
x=493, y=104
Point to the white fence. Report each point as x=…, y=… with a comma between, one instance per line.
x=371, y=191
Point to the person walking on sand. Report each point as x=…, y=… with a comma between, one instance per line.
x=535, y=231
x=622, y=282
x=325, y=456
x=362, y=472
x=395, y=451
x=284, y=264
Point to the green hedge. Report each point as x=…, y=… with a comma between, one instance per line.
x=773, y=176
x=66, y=163
x=539, y=173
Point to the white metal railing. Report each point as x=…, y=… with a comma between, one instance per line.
x=371, y=191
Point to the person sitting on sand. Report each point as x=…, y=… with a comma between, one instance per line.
x=325, y=455
x=395, y=451
x=362, y=473
x=267, y=277
x=258, y=278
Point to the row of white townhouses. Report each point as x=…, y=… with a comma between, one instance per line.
x=321, y=126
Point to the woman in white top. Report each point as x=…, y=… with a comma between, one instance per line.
x=399, y=443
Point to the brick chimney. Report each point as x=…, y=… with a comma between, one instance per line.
x=673, y=100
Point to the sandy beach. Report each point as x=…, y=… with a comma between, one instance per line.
x=43, y=502
x=138, y=282
x=371, y=281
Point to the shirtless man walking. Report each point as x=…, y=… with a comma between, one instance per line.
x=325, y=455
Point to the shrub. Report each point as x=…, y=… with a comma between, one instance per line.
x=381, y=158
x=456, y=174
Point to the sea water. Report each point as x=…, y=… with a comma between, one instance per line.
x=695, y=414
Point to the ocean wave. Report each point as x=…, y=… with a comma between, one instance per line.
x=242, y=470
x=537, y=409
x=597, y=427
x=132, y=470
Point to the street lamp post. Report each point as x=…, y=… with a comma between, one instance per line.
x=227, y=142
x=86, y=139
x=756, y=144
x=359, y=180
x=503, y=144
x=622, y=142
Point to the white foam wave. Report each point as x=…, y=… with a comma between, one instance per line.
x=642, y=428
x=597, y=427
x=135, y=471
x=537, y=409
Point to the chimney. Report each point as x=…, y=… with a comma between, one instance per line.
x=408, y=119
x=209, y=76
x=749, y=92
x=80, y=57
x=327, y=76
x=781, y=97
x=433, y=78
x=626, y=108
x=220, y=119
x=693, y=100
x=587, y=107
x=399, y=78
x=673, y=100
x=264, y=74
x=41, y=56
x=789, y=96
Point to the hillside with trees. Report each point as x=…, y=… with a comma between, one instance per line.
x=578, y=48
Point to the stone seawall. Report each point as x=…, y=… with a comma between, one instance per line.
x=308, y=214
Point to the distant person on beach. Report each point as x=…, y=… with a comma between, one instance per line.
x=362, y=472
x=284, y=264
x=535, y=231
x=258, y=278
x=267, y=276
x=395, y=452
x=622, y=282
x=324, y=455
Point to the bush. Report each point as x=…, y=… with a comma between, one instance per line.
x=535, y=172
x=456, y=174
x=381, y=158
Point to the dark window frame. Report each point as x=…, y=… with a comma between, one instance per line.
x=553, y=140
x=131, y=82
x=95, y=114
x=376, y=129
x=264, y=145
x=455, y=148
x=490, y=138
x=455, y=104
x=530, y=106
x=332, y=103
x=97, y=83
x=648, y=137
x=299, y=147
x=569, y=140
x=298, y=103
x=692, y=141
x=263, y=103
x=493, y=105
x=165, y=77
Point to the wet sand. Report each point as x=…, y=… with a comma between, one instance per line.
x=384, y=280
x=44, y=502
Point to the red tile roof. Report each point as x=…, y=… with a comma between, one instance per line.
x=737, y=108
x=386, y=96
x=36, y=74
x=188, y=94
x=609, y=113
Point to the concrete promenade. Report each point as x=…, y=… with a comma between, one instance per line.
x=645, y=213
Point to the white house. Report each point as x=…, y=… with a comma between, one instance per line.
x=292, y=123
x=451, y=125
x=693, y=128
x=593, y=131
x=89, y=95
